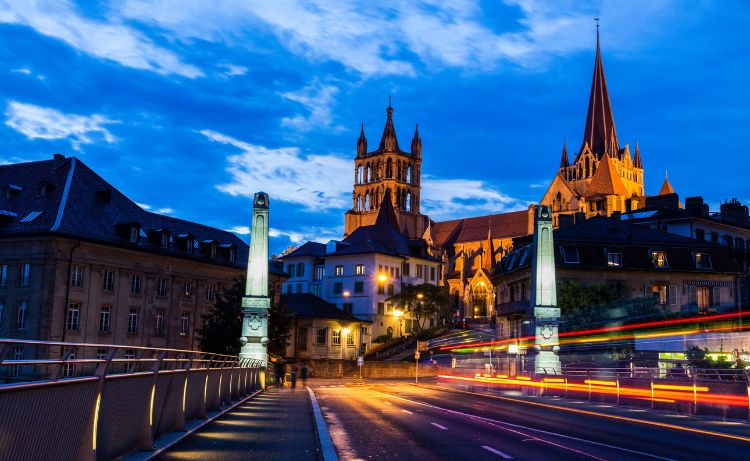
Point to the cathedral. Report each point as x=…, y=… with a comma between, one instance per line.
x=602, y=178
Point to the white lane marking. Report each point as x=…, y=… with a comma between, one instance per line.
x=439, y=426
x=497, y=452
x=500, y=424
x=407, y=411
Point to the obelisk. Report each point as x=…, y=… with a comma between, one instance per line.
x=544, y=295
x=255, y=303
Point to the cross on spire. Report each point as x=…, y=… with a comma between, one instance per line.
x=389, y=101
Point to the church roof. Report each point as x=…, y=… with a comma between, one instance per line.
x=564, y=159
x=606, y=181
x=599, y=132
x=313, y=249
x=386, y=213
x=666, y=188
x=637, y=162
x=388, y=141
x=502, y=225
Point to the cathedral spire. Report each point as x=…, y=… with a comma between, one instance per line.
x=564, y=160
x=600, y=132
x=389, y=142
x=637, y=162
x=416, y=143
x=362, y=143
x=489, y=258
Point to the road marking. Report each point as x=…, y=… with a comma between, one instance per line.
x=439, y=426
x=497, y=452
x=507, y=426
x=326, y=444
x=407, y=411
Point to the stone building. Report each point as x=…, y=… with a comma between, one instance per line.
x=80, y=262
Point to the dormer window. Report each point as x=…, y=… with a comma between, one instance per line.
x=614, y=257
x=133, y=234
x=188, y=245
x=570, y=254
x=213, y=251
x=702, y=260
x=164, y=240
x=232, y=255
x=42, y=189
x=659, y=258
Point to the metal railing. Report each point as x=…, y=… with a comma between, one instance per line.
x=99, y=401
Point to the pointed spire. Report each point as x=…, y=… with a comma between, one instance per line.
x=666, y=187
x=416, y=143
x=564, y=160
x=637, y=162
x=362, y=143
x=489, y=258
x=600, y=133
x=389, y=142
x=386, y=213
x=606, y=181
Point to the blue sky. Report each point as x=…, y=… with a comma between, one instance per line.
x=190, y=107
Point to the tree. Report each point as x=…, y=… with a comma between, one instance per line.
x=222, y=325
x=422, y=302
x=699, y=358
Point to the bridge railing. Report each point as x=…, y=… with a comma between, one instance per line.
x=80, y=401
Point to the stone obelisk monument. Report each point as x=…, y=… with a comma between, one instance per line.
x=255, y=303
x=544, y=295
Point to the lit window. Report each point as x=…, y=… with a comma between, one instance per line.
x=570, y=254
x=73, y=320
x=614, y=258
x=184, y=324
x=359, y=269
x=339, y=270
x=105, y=316
x=76, y=277
x=659, y=258
x=187, y=292
x=703, y=261
x=336, y=338
x=319, y=273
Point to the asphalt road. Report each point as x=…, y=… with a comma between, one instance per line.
x=396, y=420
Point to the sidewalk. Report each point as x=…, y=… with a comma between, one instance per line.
x=275, y=425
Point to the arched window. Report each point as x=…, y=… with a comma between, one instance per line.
x=369, y=173
x=389, y=169
x=588, y=168
x=367, y=201
x=408, y=174
x=408, y=201
x=480, y=300
x=359, y=203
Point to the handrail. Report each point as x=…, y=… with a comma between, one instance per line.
x=99, y=345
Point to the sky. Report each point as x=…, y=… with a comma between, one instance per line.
x=189, y=107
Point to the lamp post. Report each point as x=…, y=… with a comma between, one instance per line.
x=399, y=315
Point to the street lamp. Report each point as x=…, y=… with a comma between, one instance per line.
x=382, y=278
x=399, y=315
x=346, y=293
x=344, y=331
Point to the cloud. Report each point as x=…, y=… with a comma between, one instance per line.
x=113, y=41
x=232, y=70
x=313, y=181
x=317, y=99
x=452, y=198
x=147, y=207
x=302, y=235
x=21, y=70
x=37, y=122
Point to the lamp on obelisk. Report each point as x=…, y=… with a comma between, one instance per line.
x=255, y=303
x=544, y=295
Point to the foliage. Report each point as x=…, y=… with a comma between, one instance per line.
x=423, y=302
x=699, y=358
x=222, y=325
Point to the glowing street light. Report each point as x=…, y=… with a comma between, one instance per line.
x=399, y=315
x=382, y=278
x=420, y=296
x=346, y=293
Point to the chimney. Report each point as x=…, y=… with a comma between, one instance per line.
x=57, y=161
x=733, y=211
x=696, y=207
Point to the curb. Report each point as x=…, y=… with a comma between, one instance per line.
x=326, y=444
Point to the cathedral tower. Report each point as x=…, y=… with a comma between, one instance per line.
x=387, y=169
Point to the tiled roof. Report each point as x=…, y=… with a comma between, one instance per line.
x=309, y=305
x=80, y=204
x=313, y=249
x=666, y=188
x=606, y=180
x=504, y=225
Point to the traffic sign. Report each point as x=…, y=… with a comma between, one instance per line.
x=360, y=361
x=422, y=346
x=416, y=355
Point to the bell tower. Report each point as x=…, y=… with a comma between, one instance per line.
x=387, y=169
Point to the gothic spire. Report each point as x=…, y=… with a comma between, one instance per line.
x=637, y=162
x=600, y=132
x=489, y=257
x=416, y=143
x=362, y=143
x=564, y=160
x=389, y=142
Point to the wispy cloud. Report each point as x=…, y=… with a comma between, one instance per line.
x=232, y=70
x=451, y=198
x=37, y=122
x=147, y=207
x=302, y=235
x=113, y=41
x=21, y=70
x=313, y=181
x=317, y=99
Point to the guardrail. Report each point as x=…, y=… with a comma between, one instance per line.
x=80, y=401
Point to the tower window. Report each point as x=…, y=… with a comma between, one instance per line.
x=659, y=258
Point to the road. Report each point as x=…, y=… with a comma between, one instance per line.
x=396, y=420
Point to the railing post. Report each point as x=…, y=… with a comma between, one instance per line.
x=180, y=417
x=147, y=438
x=87, y=452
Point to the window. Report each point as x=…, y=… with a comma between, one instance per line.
x=42, y=189
x=73, y=319
x=21, y=316
x=398, y=272
x=17, y=355
x=316, y=289
x=359, y=287
x=348, y=307
x=664, y=294
x=232, y=255
x=164, y=237
x=570, y=254
x=432, y=274
x=659, y=258
x=76, y=277
x=159, y=323
x=381, y=308
x=339, y=270
x=350, y=339
x=211, y=292
x=700, y=234
x=359, y=269
x=108, y=281
x=319, y=273
x=101, y=353
x=163, y=286
x=135, y=283
x=390, y=289
x=381, y=288
x=300, y=270
x=714, y=237
x=419, y=271
x=25, y=274
x=187, y=292
x=189, y=245
x=320, y=337
x=2, y=314
x=405, y=269
x=338, y=287
x=70, y=368
x=298, y=288
x=213, y=251
x=133, y=234
x=614, y=258
x=302, y=340
x=336, y=338
x=290, y=269
x=3, y=275
x=702, y=260
x=184, y=324
x=288, y=287
x=105, y=316
x=133, y=320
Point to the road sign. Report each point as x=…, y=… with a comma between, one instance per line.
x=416, y=355
x=422, y=346
x=360, y=361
